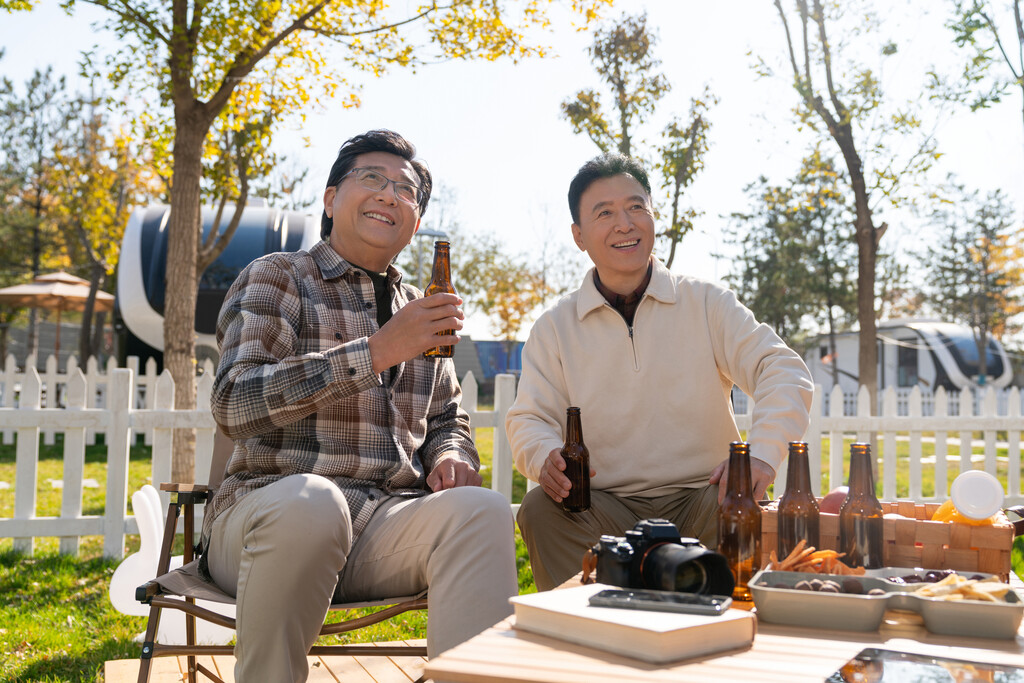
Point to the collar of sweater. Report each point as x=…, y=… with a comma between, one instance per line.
x=661, y=288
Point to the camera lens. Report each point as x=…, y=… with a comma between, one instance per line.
x=672, y=567
x=691, y=577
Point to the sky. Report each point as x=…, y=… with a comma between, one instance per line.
x=493, y=132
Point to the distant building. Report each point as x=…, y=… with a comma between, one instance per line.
x=912, y=352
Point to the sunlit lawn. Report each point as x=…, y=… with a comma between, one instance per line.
x=56, y=621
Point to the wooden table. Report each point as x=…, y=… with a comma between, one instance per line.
x=782, y=654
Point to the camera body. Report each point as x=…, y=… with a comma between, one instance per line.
x=652, y=555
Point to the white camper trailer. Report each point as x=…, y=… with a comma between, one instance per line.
x=912, y=352
x=139, y=305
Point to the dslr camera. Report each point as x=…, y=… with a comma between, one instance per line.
x=652, y=555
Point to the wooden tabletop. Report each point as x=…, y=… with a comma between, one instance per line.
x=782, y=654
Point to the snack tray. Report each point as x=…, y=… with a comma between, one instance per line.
x=886, y=572
x=852, y=612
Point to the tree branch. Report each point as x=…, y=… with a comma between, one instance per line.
x=999, y=43
x=128, y=13
x=819, y=18
x=377, y=29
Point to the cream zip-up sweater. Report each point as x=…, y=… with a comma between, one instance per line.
x=654, y=397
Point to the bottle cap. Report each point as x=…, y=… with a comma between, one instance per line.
x=976, y=494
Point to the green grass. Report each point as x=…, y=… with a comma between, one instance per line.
x=57, y=624
x=56, y=621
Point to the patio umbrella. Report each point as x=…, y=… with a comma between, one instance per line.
x=58, y=291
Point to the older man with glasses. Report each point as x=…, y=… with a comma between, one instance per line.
x=354, y=474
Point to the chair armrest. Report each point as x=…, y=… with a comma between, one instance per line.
x=188, y=494
x=147, y=591
x=185, y=488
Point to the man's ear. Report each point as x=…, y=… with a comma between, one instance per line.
x=329, y=200
x=577, y=236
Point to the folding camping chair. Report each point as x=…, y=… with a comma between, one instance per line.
x=180, y=588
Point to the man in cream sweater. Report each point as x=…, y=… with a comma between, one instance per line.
x=650, y=358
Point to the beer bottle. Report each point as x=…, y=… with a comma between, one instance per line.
x=440, y=283
x=860, y=517
x=577, y=464
x=739, y=522
x=798, y=510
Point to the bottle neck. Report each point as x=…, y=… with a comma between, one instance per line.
x=573, y=427
x=739, y=472
x=798, y=473
x=441, y=273
x=862, y=481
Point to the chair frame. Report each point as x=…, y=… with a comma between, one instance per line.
x=187, y=496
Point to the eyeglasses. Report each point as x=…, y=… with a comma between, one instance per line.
x=372, y=180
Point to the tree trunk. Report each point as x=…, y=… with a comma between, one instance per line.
x=867, y=355
x=182, y=283
x=85, y=346
x=98, y=341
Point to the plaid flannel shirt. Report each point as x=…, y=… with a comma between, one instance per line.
x=296, y=391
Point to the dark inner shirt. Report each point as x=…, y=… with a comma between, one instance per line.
x=625, y=304
x=382, y=297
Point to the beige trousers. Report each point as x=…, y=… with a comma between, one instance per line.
x=557, y=540
x=280, y=551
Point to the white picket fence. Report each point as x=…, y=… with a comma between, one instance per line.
x=124, y=412
x=119, y=419
x=55, y=383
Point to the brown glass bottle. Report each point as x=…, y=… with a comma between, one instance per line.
x=441, y=283
x=798, y=510
x=739, y=522
x=860, y=517
x=577, y=464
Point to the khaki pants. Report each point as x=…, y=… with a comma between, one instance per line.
x=280, y=551
x=557, y=539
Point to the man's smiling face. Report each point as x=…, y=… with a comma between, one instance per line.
x=371, y=227
x=616, y=229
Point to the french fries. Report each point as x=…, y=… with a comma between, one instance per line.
x=805, y=558
x=955, y=587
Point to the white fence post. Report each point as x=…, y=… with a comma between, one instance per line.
x=27, y=460
x=1013, y=446
x=149, y=395
x=163, y=437
x=118, y=437
x=889, y=411
x=470, y=401
x=204, y=437
x=504, y=396
x=92, y=376
x=813, y=438
x=914, y=412
x=941, y=414
x=966, y=436
x=835, y=439
x=50, y=384
x=988, y=409
x=74, y=460
x=7, y=398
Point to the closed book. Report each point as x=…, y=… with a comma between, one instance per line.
x=642, y=634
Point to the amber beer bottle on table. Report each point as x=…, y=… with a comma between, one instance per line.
x=739, y=522
x=798, y=510
x=860, y=517
x=440, y=283
x=577, y=464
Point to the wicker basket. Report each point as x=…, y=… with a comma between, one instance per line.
x=917, y=541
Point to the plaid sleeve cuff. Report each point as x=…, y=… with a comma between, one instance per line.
x=351, y=364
